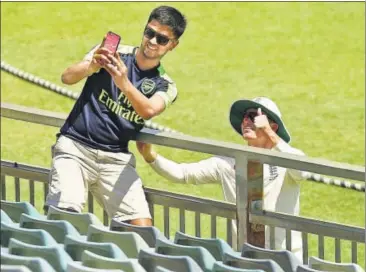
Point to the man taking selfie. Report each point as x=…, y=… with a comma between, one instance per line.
x=122, y=89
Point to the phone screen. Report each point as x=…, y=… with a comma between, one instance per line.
x=111, y=41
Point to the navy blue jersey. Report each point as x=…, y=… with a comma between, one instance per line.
x=103, y=117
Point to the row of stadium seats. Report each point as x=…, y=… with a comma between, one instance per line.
x=66, y=241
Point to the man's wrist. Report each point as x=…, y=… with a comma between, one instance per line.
x=150, y=157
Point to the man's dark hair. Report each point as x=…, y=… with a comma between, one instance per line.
x=171, y=17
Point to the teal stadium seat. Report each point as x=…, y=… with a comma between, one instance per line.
x=75, y=247
x=248, y=263
x=150, y=260
x=162, y=269
x=149, y=234
x=221, y=267
x=77, y=267
x=35, y=264
x=304, y=268
x=14, y=268
x=217, y=247
x=199, y=254
x=30, y=236
x=57, y=228
x=15, y=209
x=5, y=217
x=93, y=260
x=55, y=255
x=80, y=221
x=319, y=264
x=284, y=258
x=129, y=242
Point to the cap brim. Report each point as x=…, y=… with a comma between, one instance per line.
x=239, y=108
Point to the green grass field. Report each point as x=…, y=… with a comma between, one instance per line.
x=308, y=57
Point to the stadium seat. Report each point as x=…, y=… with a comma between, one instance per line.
x=217, y=247
x=14, y=268
x=319, y=264
x=75, y=247
x=80, y=221
x=5, y=217
x=15, y=209
x=199, y=254
x=150, y=260
x=57, y=228
x=304, y=268
x=77, y=267
x=162, y=269
x=247, y=263
x=221, y=267
x=55, y=255
x=284, y=258
x=30, y=236
x=35, y=264
x=149, y=234
x=93, y=260
x=129, y=242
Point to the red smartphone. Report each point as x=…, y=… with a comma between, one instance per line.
x=111, y=41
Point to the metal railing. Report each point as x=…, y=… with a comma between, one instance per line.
x=243, y=211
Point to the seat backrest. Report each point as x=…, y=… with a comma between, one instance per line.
x=199, y=254
x=149, y=234
x=35, y=264
x=248, y=263
x=57, y=228
x=80, y=221
x=77, y=267
x=129, y=242
x=221, y=267
x=14, y=268
x=303, y=268
x=55, y=254
x=31, y=236
x=93, y=260
x=284, y=258
x=75, y=247
x=162, y=269
x=217, y=247
x=15, y=209
x=319, y=264
x=150, y=260
x=5, y=217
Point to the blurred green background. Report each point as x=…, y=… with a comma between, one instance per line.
x=307, y=56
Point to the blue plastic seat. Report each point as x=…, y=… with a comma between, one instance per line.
x=199, y=254
x=93, y=260
x=14, y=268
x=80, y=221
x=75, y=247
x=30, y=236
x=248, y=263
x=284, y=258
x=57, y=228
x=149, y=234
x=162, y=269
x=319, y=264
x=35, y=264
x=15, y=209
x=77, y=267
x=150, y=260
x=129, y=242
x=304, y=268
x=219, y=266
x=55, y=255
x=217, y=247
x=5, y=217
